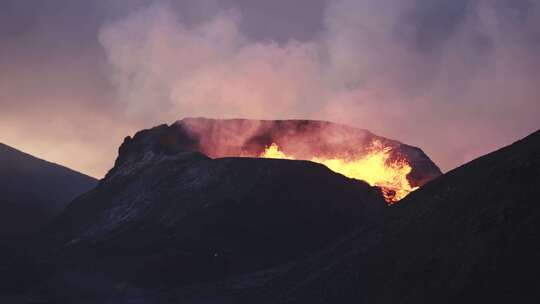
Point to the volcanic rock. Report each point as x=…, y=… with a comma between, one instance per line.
x=181, y=217
x=165, y=216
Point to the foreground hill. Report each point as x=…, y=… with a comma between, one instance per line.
x=164, y=217
x=33, y=191
x=470, y=236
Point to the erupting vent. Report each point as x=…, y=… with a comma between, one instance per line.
x=374, y=167
x=397, y=168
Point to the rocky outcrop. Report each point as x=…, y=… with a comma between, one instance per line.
x=165, y=216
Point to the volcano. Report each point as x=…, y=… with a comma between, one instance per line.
x=200, y=200
x=168, y=215
x=169, y=223
x=396, y=168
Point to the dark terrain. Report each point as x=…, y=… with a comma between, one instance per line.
x=470, y=236
x=33, y=191
x=170, y=225
x=164, y=217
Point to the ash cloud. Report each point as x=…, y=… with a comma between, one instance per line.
x=457, y=78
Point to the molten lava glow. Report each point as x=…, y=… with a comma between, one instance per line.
x=273, y=152
x=374, y=167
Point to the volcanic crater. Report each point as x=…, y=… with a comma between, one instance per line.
x=396, y=168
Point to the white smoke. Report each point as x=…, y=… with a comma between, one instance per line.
x=362, y=70
x=457, y=78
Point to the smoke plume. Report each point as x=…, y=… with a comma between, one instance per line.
x=457, y=78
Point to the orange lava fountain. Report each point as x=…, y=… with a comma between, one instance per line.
x=375, y=167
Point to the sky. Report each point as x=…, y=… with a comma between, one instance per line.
x=458, y=78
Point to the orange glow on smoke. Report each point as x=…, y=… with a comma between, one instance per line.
x=375, y=168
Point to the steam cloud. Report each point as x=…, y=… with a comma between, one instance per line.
x=457, y=78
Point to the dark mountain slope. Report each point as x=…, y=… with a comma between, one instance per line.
x=164, y=217
x=32, y=191
x=470, y=236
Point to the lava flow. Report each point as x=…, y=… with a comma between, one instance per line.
x=375, y=167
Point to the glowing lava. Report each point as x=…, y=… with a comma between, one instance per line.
x=375, y=167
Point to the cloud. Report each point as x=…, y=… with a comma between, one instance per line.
x=164, y=68
x=401, y=68
x=456, y=78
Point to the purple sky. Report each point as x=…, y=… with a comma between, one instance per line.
x=458, y=78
